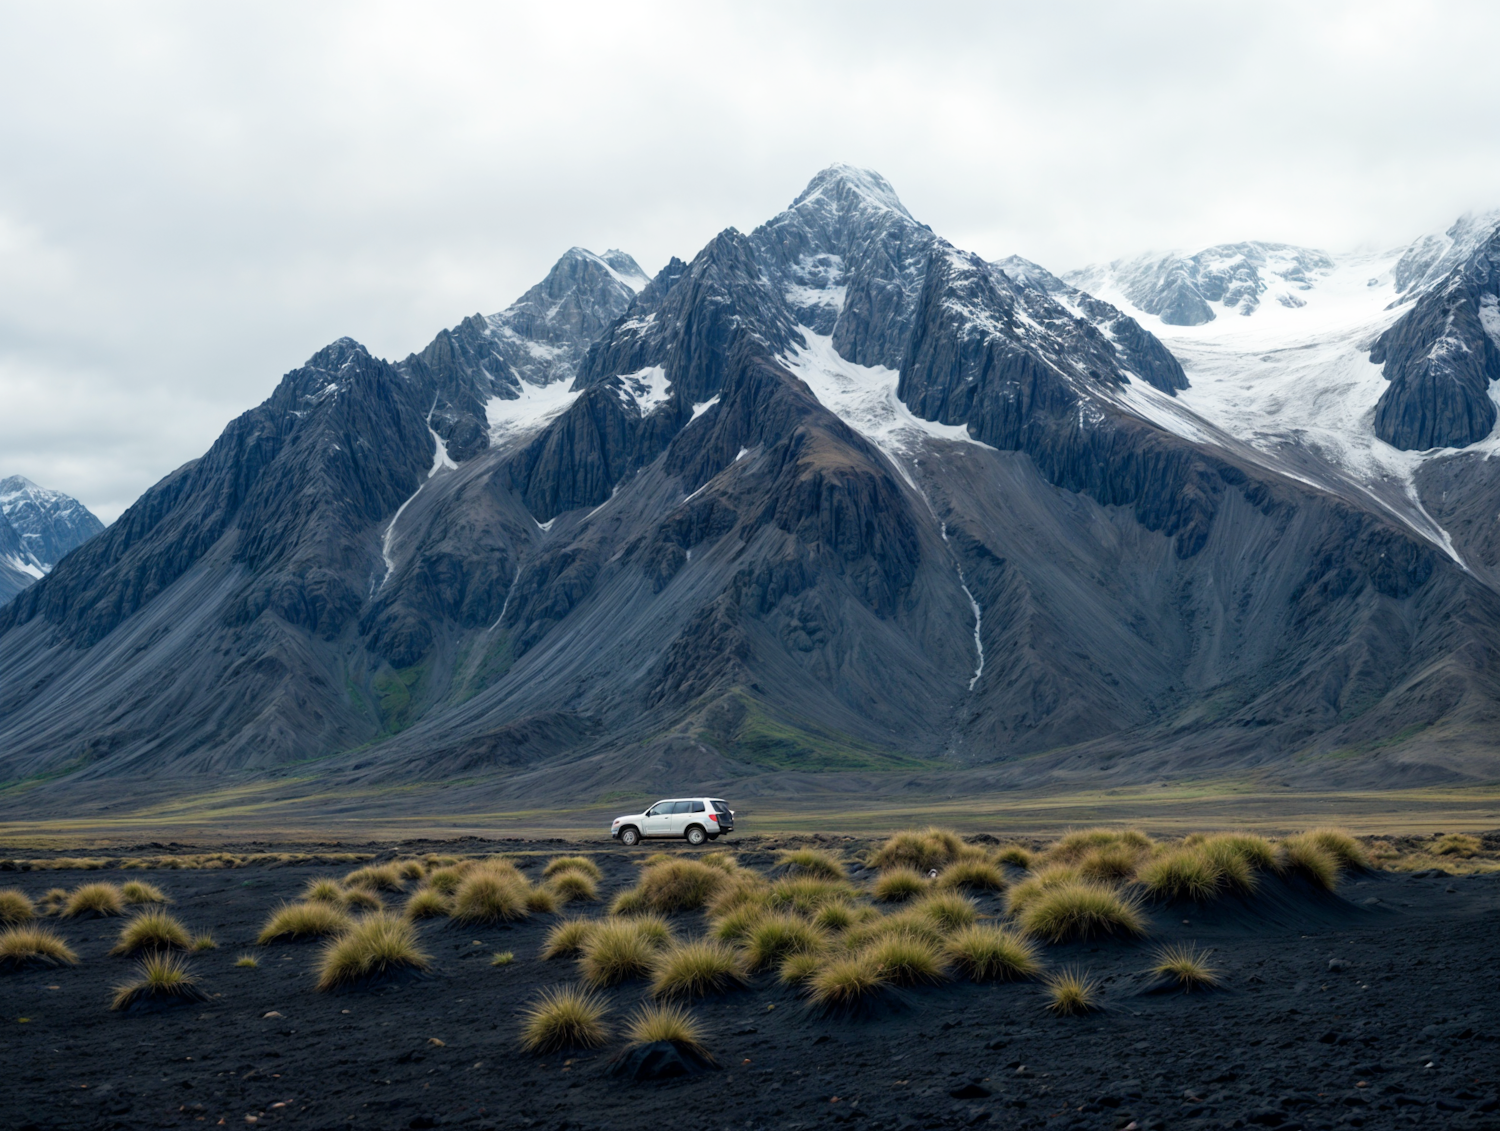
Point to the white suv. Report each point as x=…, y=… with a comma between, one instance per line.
x=694, y=819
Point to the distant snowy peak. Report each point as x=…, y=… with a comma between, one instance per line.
x=1139, y=352
x=1189, y=290
x=37, y=527
x=1429, y=259
x=543, y=334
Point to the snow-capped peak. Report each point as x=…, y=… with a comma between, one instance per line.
x=847, y=185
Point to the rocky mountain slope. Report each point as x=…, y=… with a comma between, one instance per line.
x=833, y=497
x=37, y=527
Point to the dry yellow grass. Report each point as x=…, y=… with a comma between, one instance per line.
x=377, y=945
x=567, y=1018
x=694, y=969
x=161, y=977
x=94, y=901
x=23, y=945
x=15, y=907
x=294, y=921
x=138, y=892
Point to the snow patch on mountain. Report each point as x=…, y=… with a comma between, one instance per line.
x=864, y=397
x=645, y=388
x=534, y=408
x=1299, y=377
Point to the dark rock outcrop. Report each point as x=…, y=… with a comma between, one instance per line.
x=1441, y=356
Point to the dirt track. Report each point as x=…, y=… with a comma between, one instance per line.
x=1379, y=1007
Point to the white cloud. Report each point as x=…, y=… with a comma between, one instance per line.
x=196, y=197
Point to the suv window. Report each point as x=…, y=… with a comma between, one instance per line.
x=680, y=806
x=697, y=807
x=720, y=807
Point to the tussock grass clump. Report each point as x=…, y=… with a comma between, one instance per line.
x=427, y=904
x=615, y=952
x=680, y=885
x=53, y=902
x=138, y=892
x=671, y=1023
x=898, y=884
x=654, y=929
x=799, y=969
x=905, y=960
x=23, y=946
x=628, y=902
x=1453, y=844
x=1081, y=910
x=568, y=1018
x=152, y=930
x=742, y=890
x=990, y=954
x=1342, y=846
x=362, y=899
x=1015, y=855
x=947, y=911
x=908, y=922
x=697, y=968
x=1257, y=852
x=569, y=886
x=540, y=901
x=376, y=945
x=445, y=880
x=375, y=877
x=847, y=983
x=247, y=961
x=805, y=895
x=502, y=958
x=835, y=917
x=1183, y=873
x=1187, y=966
x=323, y=891
x=722, y=859
x=972, y=875
x=204, y=942
x=573, y=864
x=1036, y=884
x=94, y=901
x=1303, y=856
x=293, y=921
x=1109, y=863
x=921, y=851
x=1076, y=845
x=15, y=907
x=812, y=862
x=161, y=977
x=566, y=939
x=775, y=936
x=738, y=923
x=491, y=895
x=1071, y=992
x=1236, y=872
x=411, y=870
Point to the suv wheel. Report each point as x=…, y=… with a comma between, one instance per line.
x=696, y=835
x=629, y=838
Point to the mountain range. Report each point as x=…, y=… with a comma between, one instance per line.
x=833, y=501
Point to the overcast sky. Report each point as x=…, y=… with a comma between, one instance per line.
x=194, y=198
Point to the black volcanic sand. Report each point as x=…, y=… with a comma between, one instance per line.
x=1378, y=1007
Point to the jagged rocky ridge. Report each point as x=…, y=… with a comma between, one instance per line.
x=987, y=559
x=37, y=527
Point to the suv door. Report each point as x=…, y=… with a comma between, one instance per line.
x=658, y=820
x=680, y=811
